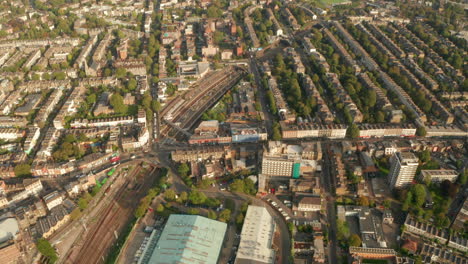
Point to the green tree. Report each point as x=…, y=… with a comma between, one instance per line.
x=120, y=73
x=182, y=197
x=170, y=195
x=407, y=201
x=421, y=131
x=132, y=84
x=462, y=179
x=212, y=214
x=354, y=241
x=155, y=105
x=212, y=202
x=214, y=12
x=160, y=208
x=276, y=131
x=193, y=211
x=425, y=156
x=183, y=169
x=116, y=101
x=387, y=203
x=419, y=194
x=46, y=249
x=196, y=197
x=23, y=170
x=225, y=216
x=342, y=230
x=353, y=131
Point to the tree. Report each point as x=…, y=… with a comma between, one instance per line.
x=193, y=211
x=182, y=197
x=353, y=131
x=155, y=105
x=425, y=156
x=46, y=250
x=23, y=170
x=407, y=201
x=196, y=197
x=421, y=131
x=146, y=101
x=183, y=169
x=354, y=241
x=132, y=84
x=342, y=230
x=449, y=189
x=212, y=202
x=170, y=195
x=116, y=101
x=462, y=179
x=276, y=131
x=419, y=194
x=120, y=73
x=379, y=117
x=363, y=201
x=387, y=203
x=160, y=208
x=212, y=214
x=225, y=216
x=213, y=12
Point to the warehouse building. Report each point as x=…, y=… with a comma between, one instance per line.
x=185, y=239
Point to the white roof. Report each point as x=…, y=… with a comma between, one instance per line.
x=8, y=229
x=257, y=236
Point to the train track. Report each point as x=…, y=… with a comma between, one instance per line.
x=200, y=100
x=96, y=243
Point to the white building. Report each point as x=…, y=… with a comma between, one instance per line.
x=53, y=199
x=403, y=169
x=439, y=175
x=256, y=237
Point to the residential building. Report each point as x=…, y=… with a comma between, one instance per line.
x=403, y=169
x=439, y=175
x=53, y=199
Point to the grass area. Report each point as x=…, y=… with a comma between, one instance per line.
x=376, y=261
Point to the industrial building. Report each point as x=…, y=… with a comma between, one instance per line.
x=256, y=237
x=186, y=239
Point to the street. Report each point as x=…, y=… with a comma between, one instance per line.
x=330, y=204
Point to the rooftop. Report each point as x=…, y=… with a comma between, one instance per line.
x=189, y=239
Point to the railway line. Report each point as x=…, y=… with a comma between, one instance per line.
x=183, y=112
x=102, y=232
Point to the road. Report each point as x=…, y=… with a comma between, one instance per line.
x=328, y=180
x=268, y=117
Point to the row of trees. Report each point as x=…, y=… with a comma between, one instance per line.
x=418, y=96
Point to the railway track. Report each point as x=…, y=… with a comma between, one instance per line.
x=95, y=243
x=190, y=111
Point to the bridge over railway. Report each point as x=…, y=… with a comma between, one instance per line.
x=182, y=113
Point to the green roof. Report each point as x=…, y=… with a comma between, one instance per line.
x=189, y=239
x=296, y=170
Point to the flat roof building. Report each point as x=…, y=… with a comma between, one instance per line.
x=403, y=169
x=256, y=237
x=439, y=175
x=189, y=239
